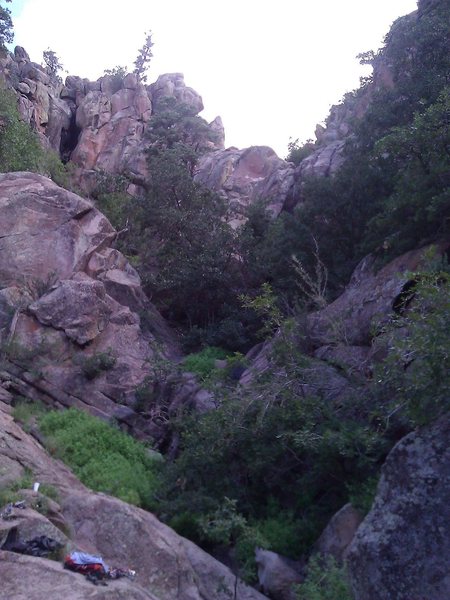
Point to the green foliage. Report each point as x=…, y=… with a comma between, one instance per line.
x=297, y=152
x=143, y=58
x=419, y=205
x=274, y=442
x=19, y=146
x=25, y=411
x=362, y=494
x=52, y=65
x=416, y=373
x=325, y=580
x=203, y=363
x=6, y=26
x=178, y=233
x=20, y=149
x=103, y=457
x=97, y=363
x=117, y=74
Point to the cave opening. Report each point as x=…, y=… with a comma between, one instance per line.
x=69, y=139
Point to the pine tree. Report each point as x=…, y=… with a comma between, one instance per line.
x=6, y=26
x=143, y=58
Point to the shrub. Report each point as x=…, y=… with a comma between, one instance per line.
x=203, y=363
x=98, y=362
x=24, y=411
x=104, y=458
x=325, y=580
x=416, y=373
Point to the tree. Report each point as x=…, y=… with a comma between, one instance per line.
x=143, y=58
x=6, y=26
x=52, y=65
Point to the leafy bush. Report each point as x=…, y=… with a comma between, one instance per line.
x=24, y=411
x=103, y=457
x=203, y=363
x=416, y=373
x=20, y=148
x=98, y=362
x=325, y=580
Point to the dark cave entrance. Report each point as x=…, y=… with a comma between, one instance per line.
x=69, y=139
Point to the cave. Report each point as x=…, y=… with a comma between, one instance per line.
x=69, y=139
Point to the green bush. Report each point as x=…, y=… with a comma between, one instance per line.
x=20, y=148
x=24, y=411
x=97, y=363
x=325, y=580
x=416, y=373
x=104, y=458
x=203, y=363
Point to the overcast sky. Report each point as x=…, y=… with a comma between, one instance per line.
x=270, y=68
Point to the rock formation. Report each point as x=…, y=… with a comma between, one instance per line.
x=401, y=549
x=67, y=299
x=244, y=177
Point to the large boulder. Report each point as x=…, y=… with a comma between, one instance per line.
x=243, y=177
x=171, y=85
x=368, y=302
x=339, y=533
x=278, y=575
x=401, y=549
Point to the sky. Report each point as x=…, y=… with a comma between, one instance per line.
x=270, y=68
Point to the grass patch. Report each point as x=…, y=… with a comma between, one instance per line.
x=104, y=458
x=203, y=363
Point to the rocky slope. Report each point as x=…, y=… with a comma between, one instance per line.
x=168, y=566
x=69, y=308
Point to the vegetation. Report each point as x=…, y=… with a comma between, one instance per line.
x=6, y=26
x=52, y=65
x=20, y=148
x=143, y=58
x=104, y=458
x=325, y=580
x=97, y=363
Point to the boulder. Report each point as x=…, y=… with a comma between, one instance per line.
x=171, y=85
x=368, y=302
x=277, y=575
x=79, y=307
x=402, y=547
x=339, y=533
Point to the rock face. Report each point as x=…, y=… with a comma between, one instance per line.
x=243, y=177
x=67, y=299
x=167, y=565
x=339, y=533
x=98, y=125
x=367, y=303
x=401, y=550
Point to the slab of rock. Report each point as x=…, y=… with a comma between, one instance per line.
x=339, y=533
x=45, y=229
x=401, y=550
x=67, y=297
x=27, y=577
x=168, y=566
x=368, y=302
x=79, y=307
